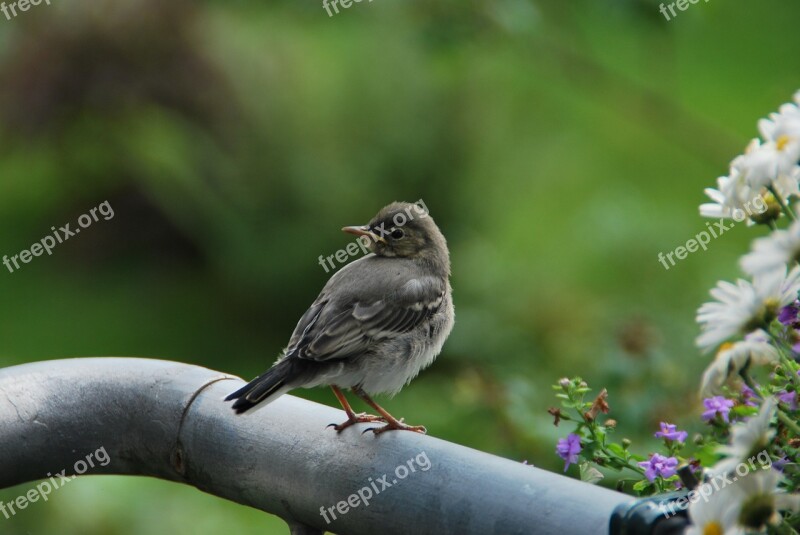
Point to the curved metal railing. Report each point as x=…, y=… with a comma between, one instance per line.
x=167, y=420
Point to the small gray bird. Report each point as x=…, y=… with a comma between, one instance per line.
x=377, y=323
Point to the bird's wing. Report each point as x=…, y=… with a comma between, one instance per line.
x=333, y=330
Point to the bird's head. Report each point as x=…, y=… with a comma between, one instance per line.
x=405, y=230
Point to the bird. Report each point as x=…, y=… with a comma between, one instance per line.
x=378, y=322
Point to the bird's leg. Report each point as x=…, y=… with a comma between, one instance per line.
x=391, y=421
x=352, y=416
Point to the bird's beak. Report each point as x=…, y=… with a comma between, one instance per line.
x=363, y=231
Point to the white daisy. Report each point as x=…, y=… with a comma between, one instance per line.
x=761, y=499
x=730, y=197
x=749, y=440
x=722, y=206
x=744, y=307
x=783, y=129
x=763, y=163
x=716, y=516
x=731, y=358
x=735, y=199
x=789, y=286
x=773, y=253
x=788, y=185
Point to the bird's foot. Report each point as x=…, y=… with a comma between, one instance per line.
x=356, y=418
x=396, y=425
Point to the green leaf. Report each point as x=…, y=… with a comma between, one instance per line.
x=644, y=487
x=707, y=454
x=744, y=410
x=618, y=450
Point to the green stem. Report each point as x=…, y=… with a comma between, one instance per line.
x=782, y=529
x=788, y=363
x=638, y=469
x=788, y=421
x=782, y=416
x=793, y=377
x=590, y=425
x=784, y=205
x=749, y=382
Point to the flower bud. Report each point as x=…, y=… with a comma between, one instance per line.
x=772, y=212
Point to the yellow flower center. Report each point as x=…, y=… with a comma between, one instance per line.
x=713, y=528
x=782, y=141
x=724, y=347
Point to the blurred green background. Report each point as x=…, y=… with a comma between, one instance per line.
x=559, y=145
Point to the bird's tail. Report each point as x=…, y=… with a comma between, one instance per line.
x=265, y=388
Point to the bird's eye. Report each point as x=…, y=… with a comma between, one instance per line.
x=397, y=233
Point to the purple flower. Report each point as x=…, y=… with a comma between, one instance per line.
x=669, y=432
x=780, y=464
x=788, y=314
x=789, y=398
x=748, y=396
x=658, y=465
x=568, y=449
x=717, y=405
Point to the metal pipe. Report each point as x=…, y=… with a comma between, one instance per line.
x=168, y=420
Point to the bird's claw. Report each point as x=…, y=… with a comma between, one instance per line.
x=356, y=419
x=396, y=426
